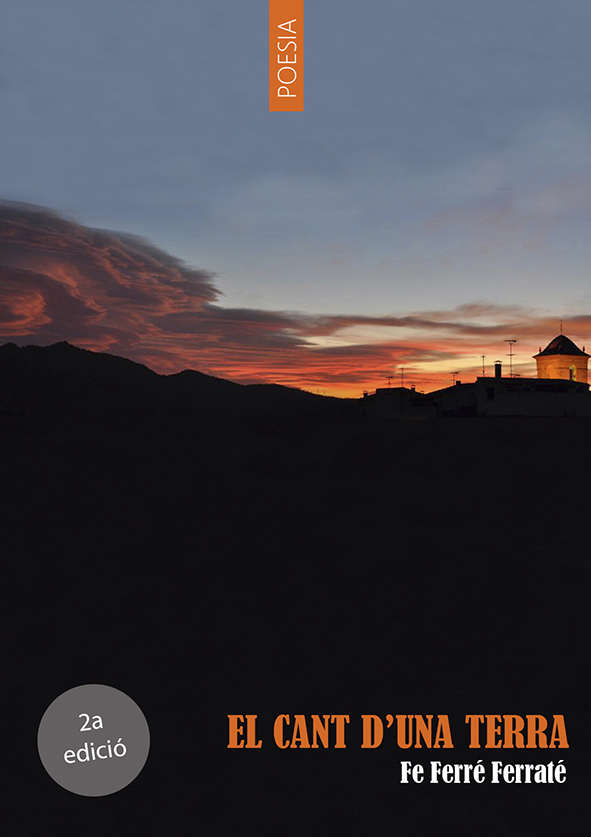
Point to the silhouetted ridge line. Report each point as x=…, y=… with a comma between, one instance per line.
x=79, y=385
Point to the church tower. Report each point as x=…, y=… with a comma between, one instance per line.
x=562, y=359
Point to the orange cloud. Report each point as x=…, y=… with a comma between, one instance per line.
x=109, y=291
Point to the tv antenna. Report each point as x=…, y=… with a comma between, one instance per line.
x=510, y=342
x=389, y=379
x=453, y=378
x=483, y=372
x=402, y=376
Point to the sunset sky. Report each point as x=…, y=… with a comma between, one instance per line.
x=432, y=201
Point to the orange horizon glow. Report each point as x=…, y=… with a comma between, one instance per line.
x=115, y=293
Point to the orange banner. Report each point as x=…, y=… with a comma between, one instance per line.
x=286, y=55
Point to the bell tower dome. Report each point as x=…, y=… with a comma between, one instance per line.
x=562, y=359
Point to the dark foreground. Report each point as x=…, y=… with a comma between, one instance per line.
x=215, y=555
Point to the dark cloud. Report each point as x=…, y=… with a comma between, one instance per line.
x=60, y=279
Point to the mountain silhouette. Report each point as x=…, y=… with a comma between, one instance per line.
x=63, y=380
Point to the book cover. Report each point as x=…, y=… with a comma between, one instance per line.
x=294, y=416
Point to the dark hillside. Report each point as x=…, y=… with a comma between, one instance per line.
x=210, y=548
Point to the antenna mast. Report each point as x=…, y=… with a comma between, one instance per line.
x=510, y=342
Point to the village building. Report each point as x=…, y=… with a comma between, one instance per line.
x=562, y=359
x=560, y=389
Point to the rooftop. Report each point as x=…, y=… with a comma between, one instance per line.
x=562, y=345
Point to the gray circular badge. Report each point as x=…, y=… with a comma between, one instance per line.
x=93, y=740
